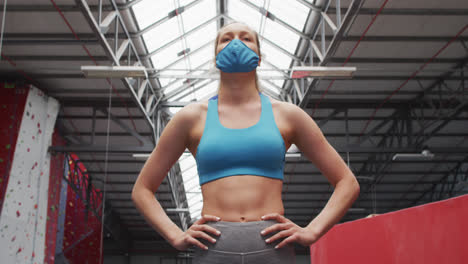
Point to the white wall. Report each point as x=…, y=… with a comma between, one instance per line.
x=24, y=214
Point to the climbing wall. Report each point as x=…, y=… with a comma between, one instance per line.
x=24, y=209
x=55, y=184
x=82, y=223
x=12, y=104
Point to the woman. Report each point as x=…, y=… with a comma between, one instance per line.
x=239, y=139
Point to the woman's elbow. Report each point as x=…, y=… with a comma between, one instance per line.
x=357, y=188
x=135, y=194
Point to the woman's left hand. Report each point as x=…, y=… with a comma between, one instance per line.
x=288, y=230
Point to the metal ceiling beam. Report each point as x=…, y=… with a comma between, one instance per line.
x=410, y=11
x=122, y=125
x=316, y=118
x=414, y=138
x=67, y=8
x=162, y=47
x=89, y=39
x=355, y=77
x=221, y=8
x=458, y=173
x=363, y=11
x=328, y=52
x=327, y=134
x=149, y=149
x=330, y=103
x=96, y=26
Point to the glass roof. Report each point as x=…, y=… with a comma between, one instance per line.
x=181, y=43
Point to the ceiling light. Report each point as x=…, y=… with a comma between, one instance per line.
x=178, y=210
x=113, y=71
x=316, y=71
x=424, y=155
x=141, y=156
x=293, y=154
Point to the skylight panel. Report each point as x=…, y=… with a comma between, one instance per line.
x=280, y=35
x=162, y=34
x=208, y=90
x=184, y=163
x=292, y=12
x=209, y=87
x=165, y=81
x=275, y=57
x=171, y=87
x=147, y=12
x=167, y=56
x=199, y=13
x=244, y=13
x=192, y=92
x=270, y=87
x=278, y=83
x=202, y=36
x=174, y=110
x=203, y=56
x=192, y=186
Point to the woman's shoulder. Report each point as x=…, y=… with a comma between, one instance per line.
x=286, y=109
x=193, y=111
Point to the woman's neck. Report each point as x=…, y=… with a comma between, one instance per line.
x=237, y=88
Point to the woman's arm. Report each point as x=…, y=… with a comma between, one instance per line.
x=313, y=144
x=169, y=148
x=311, y=141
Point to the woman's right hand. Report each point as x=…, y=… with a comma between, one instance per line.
x=188, y=238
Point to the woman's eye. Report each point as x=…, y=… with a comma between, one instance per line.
x=247, y=39
x=224, y=40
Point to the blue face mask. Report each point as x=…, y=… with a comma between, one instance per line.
x=236, y=57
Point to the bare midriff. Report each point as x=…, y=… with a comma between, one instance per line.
x=242, y=198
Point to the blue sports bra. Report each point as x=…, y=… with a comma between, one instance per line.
x=255, y=150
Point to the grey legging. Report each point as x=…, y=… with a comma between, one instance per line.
x=242, y=243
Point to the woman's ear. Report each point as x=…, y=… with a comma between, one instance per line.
x=259, y=60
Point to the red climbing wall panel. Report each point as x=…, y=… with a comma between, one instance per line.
x=55, y=182
x=82, y=231
x=12, y=104
x=434, y=233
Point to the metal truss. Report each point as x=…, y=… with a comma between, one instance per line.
x=144, y=95
x=453, y=183
x=122, y=52
x=319, y=19
x=412, y=126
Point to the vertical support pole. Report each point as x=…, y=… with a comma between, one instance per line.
x=302, y=86
x=322, y=39
x=93, y=127
x=311, y=54
x=116, y=36
x=338, y=13
x=100, y=12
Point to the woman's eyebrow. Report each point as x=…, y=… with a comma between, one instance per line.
x=226, y=33
x=230, y=33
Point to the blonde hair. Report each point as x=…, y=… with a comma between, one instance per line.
x=257, y=85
